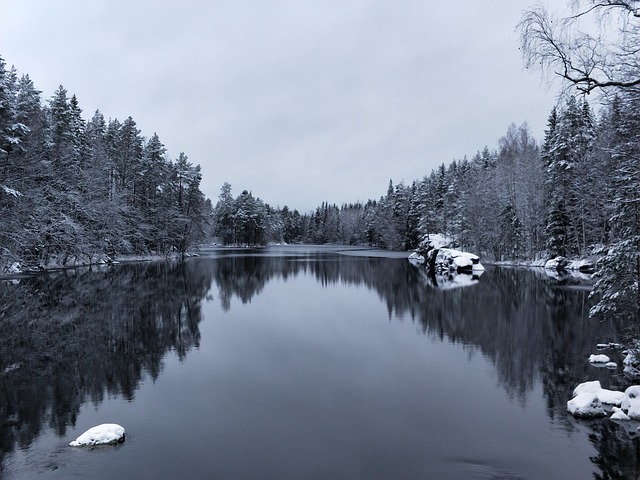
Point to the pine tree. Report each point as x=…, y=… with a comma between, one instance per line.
x=619, y=270
x=223, y=216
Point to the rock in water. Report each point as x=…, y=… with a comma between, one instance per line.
x=105, y=434
x=586, y=405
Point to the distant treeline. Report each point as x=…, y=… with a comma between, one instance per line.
x=71, y=190
x=520, y=201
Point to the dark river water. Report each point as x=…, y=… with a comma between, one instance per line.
x=303, y=363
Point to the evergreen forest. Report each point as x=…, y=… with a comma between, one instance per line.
x=74, y=190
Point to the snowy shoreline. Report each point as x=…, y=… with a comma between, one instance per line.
x=15, y=271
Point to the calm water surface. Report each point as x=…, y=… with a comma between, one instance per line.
x=302, y=363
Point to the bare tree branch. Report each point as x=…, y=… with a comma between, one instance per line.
x=585, y=61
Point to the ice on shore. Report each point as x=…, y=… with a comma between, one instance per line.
x=105, y=434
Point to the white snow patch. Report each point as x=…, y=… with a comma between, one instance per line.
x=105, y=434
x=611, y=365
x=599, y=359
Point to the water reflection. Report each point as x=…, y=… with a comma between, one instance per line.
x=74, y=337
x=77, y=336
x=533, y=328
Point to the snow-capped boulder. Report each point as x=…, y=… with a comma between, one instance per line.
x=105, y=434
x=586, y=405
x=583, y=265
x=557, y=264
x=618, y=414
x=441, y=258
x=455, y=261
x=591, y=387
x=588, y=398
x=631, y=402
x=599, y=359
x=609, y=397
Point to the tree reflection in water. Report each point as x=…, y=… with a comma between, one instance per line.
x=74, y=337
x=80, y=335
x=532, y=327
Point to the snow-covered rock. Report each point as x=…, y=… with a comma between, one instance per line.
x=610, y=397
x=586, y=405
x=591, y=387
x=599, y=359
x=455, y=261
x=631, y=402
x=582, y=265
x=441, y=257
x=558, y=263
x=105, y=434
x=612, y=365
x=618, y=414
x=588, y=398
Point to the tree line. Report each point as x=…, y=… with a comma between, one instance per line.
x=519, y=201
x=73, y=189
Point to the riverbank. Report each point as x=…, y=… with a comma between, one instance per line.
x=17, y=271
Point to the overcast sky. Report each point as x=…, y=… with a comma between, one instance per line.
x=299, y=101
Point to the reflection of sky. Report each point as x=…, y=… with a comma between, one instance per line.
x=313, y=381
